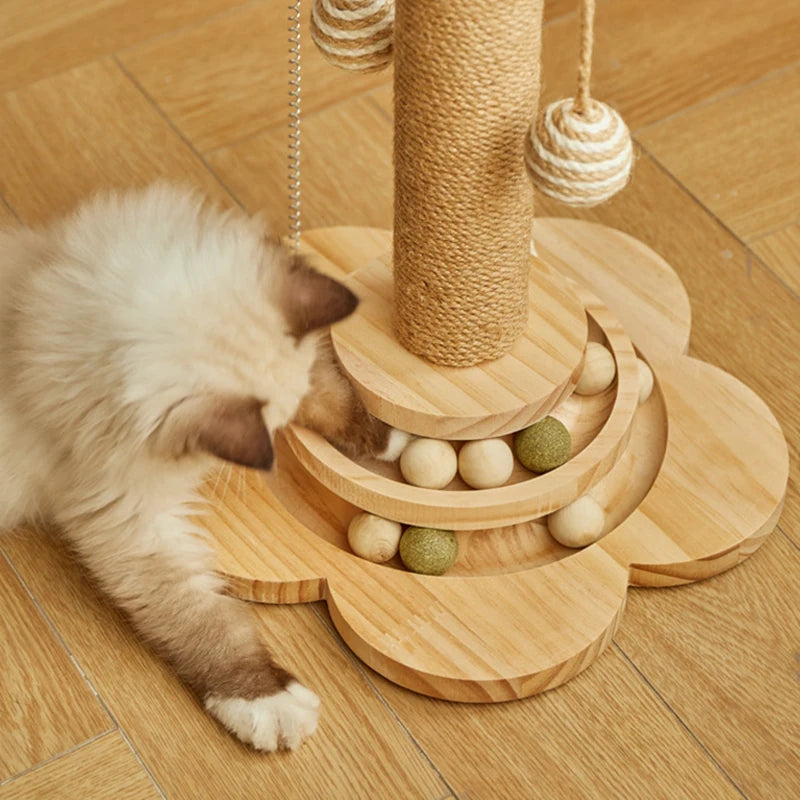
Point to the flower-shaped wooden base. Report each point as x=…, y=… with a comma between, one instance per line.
x=692, y=481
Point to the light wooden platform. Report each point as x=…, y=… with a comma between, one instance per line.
x=479, y=402
x=691, y=489
x=696, y=697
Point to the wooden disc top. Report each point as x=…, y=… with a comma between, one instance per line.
x=490, y=399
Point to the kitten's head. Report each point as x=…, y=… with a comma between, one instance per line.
x=166, y=327
x=257, y=363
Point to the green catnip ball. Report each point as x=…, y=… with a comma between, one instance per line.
x=543, y=446
x=428, y=551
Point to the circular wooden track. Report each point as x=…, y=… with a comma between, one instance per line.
x=600, y=427
x=479, y=402
x=698, y=488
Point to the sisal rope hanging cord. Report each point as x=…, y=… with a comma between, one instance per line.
x=580, y=150
x=354, y=34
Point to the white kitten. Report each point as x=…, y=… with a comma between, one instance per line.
x=141, y=338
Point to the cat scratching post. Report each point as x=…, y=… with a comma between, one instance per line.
x=466, y=88
x=690, y=482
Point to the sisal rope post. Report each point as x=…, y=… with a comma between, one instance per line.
x=465, y=89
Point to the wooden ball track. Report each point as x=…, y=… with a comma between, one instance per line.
x=691, y=481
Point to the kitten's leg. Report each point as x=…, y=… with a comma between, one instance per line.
x=334, y=409
x=161, y=575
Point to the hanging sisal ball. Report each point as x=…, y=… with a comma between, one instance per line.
x=580, y=151
x=354, y=34
x=582, y=158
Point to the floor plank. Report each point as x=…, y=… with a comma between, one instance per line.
x=604, y=734
x=780, y=251
x=346, y=167
x=53, y=153
x=227, y=80
x=46, y=707
x=725, y=655
x=187, y=753
x=49, y=36
x=101, y=769
x=749, y=181
x=653, y=59
x=7, y=218
x=743, y=318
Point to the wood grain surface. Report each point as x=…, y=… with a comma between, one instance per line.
x=705, y=149
x=103, y=768
x=487, y=400
x=46, y=707
x=346, y=167
x=713, y=494
x=696, y=701
x=780, y=251
x=50, y=36
x=654, y=60
x=123, y=142
x=187, y=752
x=240, y=66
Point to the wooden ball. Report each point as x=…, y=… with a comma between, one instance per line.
x=485, y=463
x=599, y=370
x=430, y=463
x=578, y=524
x=544, y=445
x=645, y=380
x=374, y=538
x=428, y=551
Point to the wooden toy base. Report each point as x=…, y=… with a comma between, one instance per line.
x=692, y=481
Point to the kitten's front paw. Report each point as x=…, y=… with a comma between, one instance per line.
x=398, y=441
x=274, y=722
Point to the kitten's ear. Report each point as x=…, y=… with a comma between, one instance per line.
x=311, y=300
x=231, y=428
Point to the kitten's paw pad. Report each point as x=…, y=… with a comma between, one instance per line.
x=276, y=722
x=398, y=441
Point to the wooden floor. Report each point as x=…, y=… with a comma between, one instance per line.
x=699, y=696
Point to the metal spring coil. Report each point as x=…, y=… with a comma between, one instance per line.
x=294, y=123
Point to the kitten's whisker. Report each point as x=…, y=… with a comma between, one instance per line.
x=228, y=473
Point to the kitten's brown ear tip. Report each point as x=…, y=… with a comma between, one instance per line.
x=314, y=300
x=231, y=428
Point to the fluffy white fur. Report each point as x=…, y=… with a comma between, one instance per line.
x=279, y=721
x=108, y=321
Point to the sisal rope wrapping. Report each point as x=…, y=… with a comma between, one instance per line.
x=580, y=150
x=354, y=34
x=466, y=87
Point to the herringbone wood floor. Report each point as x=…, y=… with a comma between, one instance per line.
x=699, y=696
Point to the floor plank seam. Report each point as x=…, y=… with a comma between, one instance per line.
x=777, y=73
x=55, y=757
x=776, y=229
x=141, y=762
x=754, y=256
x=742, y=243
x=228, y=12
x=57, y=634
x=788, y=538
x=142, y=43
x=360, y=668
x=306, y=115
x=10, y=209
x=178, y=132
x=678, y=718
